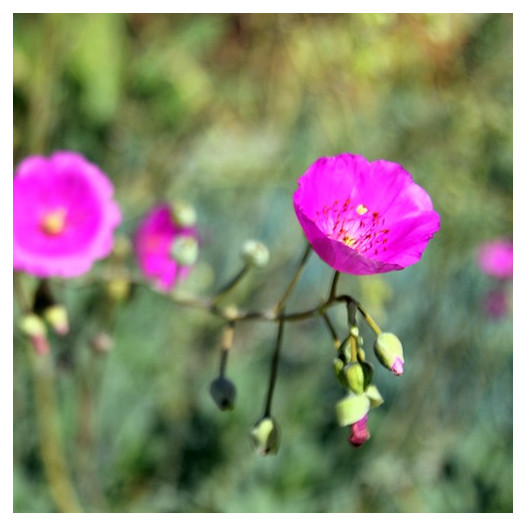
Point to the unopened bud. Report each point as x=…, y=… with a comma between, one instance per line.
x=185, y=250
x=255, y=253
x=33, y=327
x=352, y=408
x=265, y=436
x=389, y=351
x=223, y=392
x=183, y=214
x=57, y=317
x=359, y=433
x=101, y=343
x=358, y=376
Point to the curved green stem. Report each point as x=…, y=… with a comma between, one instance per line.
x=274, y=370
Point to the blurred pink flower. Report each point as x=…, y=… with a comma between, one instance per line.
x=155, y=240
x=495, y=258
x=64, y=215
x=364, y=217
x=497, y=303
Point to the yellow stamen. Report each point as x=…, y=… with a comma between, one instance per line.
x=349, y=241
x=53, y=223
x=361, y=210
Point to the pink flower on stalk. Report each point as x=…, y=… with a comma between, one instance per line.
x=64, y=215
x=364, y=217
x=495, y=258
x=166, y=251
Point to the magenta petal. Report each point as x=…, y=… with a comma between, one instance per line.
x=153, y=241
x=68, y=186
x=362, y=217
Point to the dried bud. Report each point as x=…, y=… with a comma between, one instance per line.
x=33, y=326
x=265, y=436
x=255, y=253
x=183, y=214
x=352, y=408
x=223, y=392
x=389, y=351
x=57, y=317
x=185, y=250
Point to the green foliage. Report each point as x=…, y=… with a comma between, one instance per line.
x=226, y=112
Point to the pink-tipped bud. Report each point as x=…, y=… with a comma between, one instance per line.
x=57, y=317
x=359, y=433
x=398, y=367
x=33, y=327
x=389, y=351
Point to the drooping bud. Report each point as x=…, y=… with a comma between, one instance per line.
x=185, y=250
x=223, y=392
x=33, y=326
x=265, y=436
x=352, y=408
x=359, y=433
x=57, y=317
x=375, y=398
x=389, y=351
x=358, y=375
x=255, y=253
x=183, y=214
x=101, y=343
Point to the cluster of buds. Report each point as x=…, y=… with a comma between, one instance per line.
x=355, y=374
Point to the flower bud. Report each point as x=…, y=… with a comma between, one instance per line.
x=223, y=392
x=265, y=436
x=358, y=376
x=255, y=253
x=185, y=250
x=359, y=433
x=183, y=214
x=101, y=343
x=57, y=317
x=33, y=326
x=375, y=398
x=389, y=351
x=118, y=288
x=352, y=408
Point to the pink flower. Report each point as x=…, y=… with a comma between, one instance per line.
x=165, y=250
x=495, y=258
x=364, y=217
x=63, y=215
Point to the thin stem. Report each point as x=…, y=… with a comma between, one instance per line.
x=334, y=285
x=332, y=330
x=226, y=344
x=55, y=465
x=231, y=284
x=299, y=269
x=369, y=320
x=274, y=370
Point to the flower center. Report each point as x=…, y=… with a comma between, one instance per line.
x=356, y=226
x=53, y=223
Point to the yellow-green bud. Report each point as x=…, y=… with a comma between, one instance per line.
x=183, y=214
x=265, y=436
x=355, y=377
x=33, y=326
x=255, y=253
x=345, y=350
x=185, y=250
x=375, y=398
x=352, y=408
x=57, y=317
x=389, y=351
x=223, y=393
x=118, y=288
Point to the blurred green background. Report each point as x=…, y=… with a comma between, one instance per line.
x=227, y=111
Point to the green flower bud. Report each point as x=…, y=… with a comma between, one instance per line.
x=223, y=392
x=185, y=250
x=344, y=352
x=33, y=327
x=375, y=398
x=338, y=366
x=352, y=408
x=265, y=436
x=389, y=351
x=118, y=288
x=358, y=375
x=57, y=317
x=255, y=253
x=183, y=214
